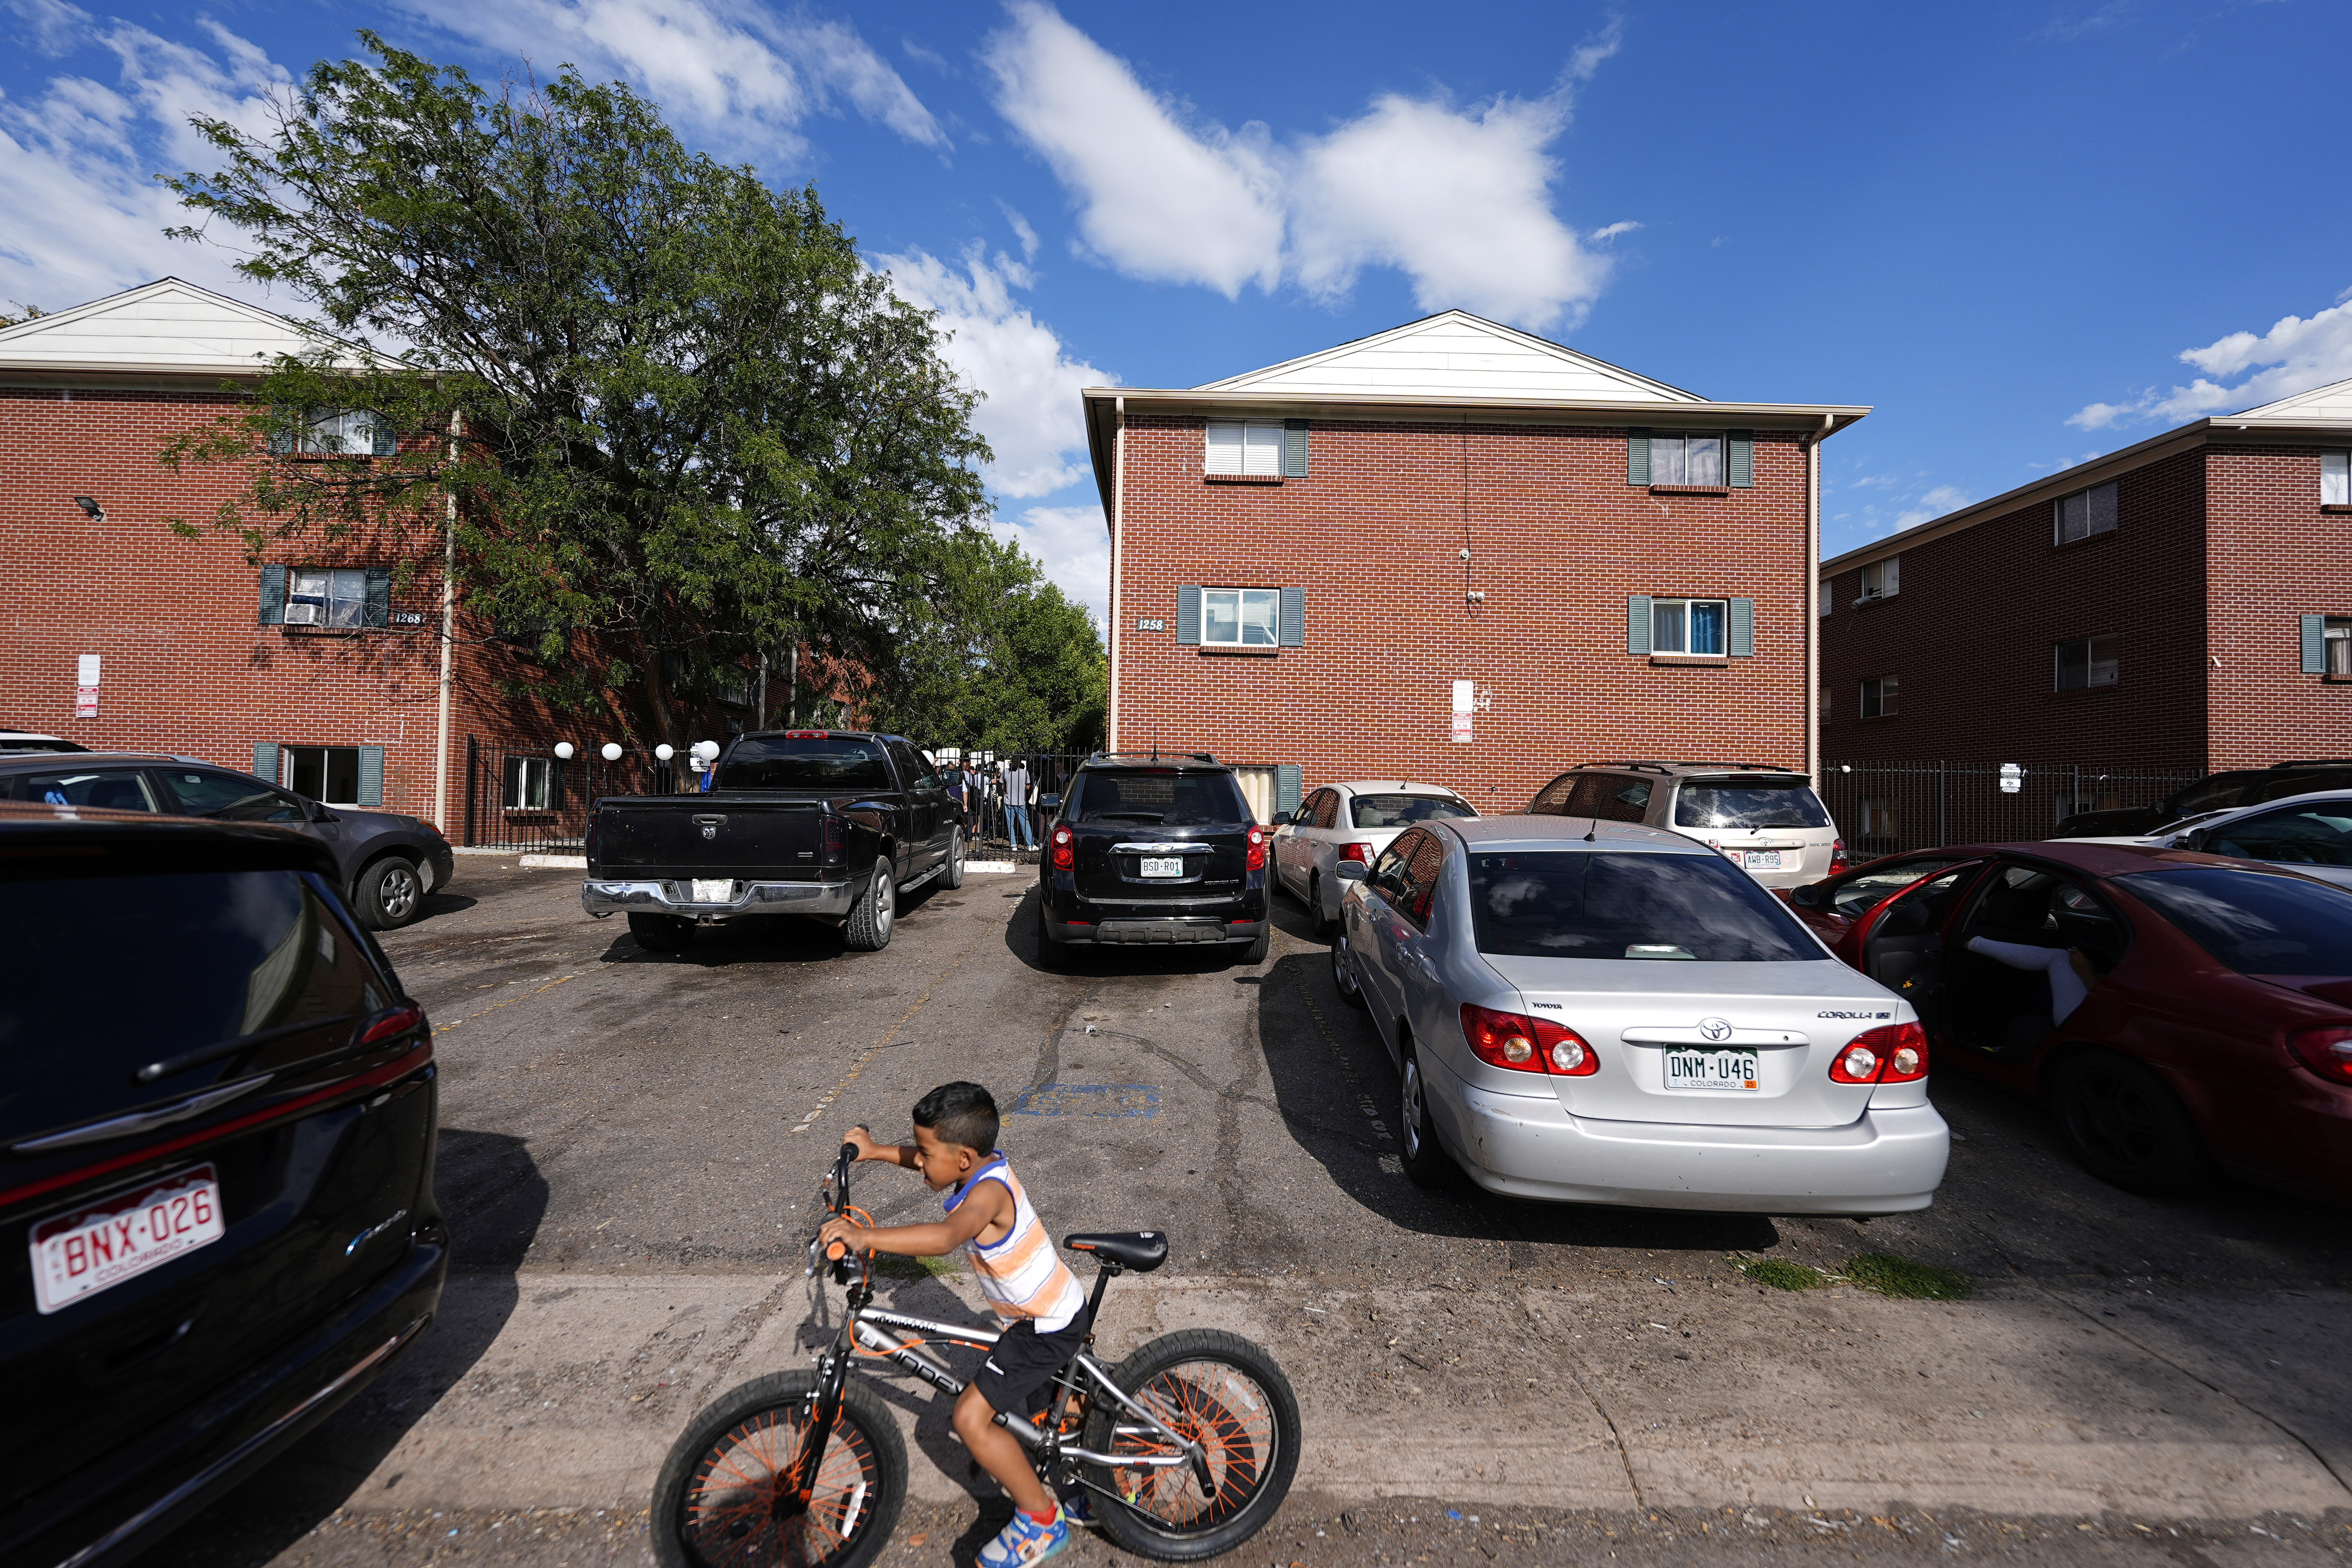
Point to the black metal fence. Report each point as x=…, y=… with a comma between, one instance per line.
x=533, y=801
x=988, y=820
x=1884, y=808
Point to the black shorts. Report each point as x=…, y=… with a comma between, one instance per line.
x=1017, y=1378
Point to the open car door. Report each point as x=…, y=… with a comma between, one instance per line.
x=1899, y=941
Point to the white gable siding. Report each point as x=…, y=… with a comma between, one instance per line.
x=1455, y=356
x=2321, y=405
x=167, y=325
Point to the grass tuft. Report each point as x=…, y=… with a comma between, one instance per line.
x=1779, y=1273
x=1891, y=1275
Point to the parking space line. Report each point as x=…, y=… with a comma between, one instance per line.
x=444, y=1028
x=888, y=1036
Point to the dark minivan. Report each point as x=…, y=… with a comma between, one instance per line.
x=1152, y=850
x=217, y=1213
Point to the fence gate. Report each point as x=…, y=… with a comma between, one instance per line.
x=1886, y=808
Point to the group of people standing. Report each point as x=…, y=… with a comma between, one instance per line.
x=980, y=792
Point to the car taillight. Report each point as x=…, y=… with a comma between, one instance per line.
x=1256, y=861
x=1361, y=854
x=1893, y=1053
x=831, y=847
x=1065, y=848
x=2326, y=1051
x=399, y=1021
x=1837, y=856
x=1522, y=1044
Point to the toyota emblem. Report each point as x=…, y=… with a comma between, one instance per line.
x=1714, y=1028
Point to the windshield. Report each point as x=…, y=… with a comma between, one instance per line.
x=2255, y=923
x=825, y=762
x=1592, y=904
x=1162, y=797
x=1749, y=803
x=1404, y=810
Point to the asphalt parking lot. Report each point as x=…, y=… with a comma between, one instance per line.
x=630, y=1143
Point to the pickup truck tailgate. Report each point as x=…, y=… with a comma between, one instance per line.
x=710, y=835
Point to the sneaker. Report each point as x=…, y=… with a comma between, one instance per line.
x=1076, y=1509
x=1025, y=1542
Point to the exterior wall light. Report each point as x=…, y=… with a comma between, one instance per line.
x=91, y=508
x=612, y=751
x=563, y=750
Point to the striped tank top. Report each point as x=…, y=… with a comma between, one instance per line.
x=1021, y=1276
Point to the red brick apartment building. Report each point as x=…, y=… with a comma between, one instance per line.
x=1457, y=552
x=2184, y=604
x=330, y=672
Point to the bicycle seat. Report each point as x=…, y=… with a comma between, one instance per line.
x=1141, y=1250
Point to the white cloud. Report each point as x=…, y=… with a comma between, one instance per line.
x=729, y=68
x=2302, y=352
x=1031, y=414
x=1934, y=504
x=1021, y=230
x=1157, y=200
x=1600, y=235
x=1073, y=543
x=78, y=164
x=1458, y=199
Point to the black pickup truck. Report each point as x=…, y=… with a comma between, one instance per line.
x=830, y=823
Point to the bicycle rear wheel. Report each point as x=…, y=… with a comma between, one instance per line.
x=716, y=1502
x=1225, y=1393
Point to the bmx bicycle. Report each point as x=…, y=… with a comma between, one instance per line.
x=1183, y=1450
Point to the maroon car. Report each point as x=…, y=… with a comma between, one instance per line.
x=2176, y=1010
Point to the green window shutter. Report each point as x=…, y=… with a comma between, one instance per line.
x=1742, y=464
x=378, y=611
x=1293, y=617
x=1740, y=641
x=1637, y=461
x=273, y=595
x=265, y=760
x=1293, y=448
x=371, y=776
x=2314, y=645
x=1287, y=780
x=1187, y=615
x=1637, y=624
x=383, y=443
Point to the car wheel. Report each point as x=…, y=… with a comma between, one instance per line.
x=1425, y=1164
x=952, y=878
x=1319, y=923
x=661, y=934
x=2126, y=1126
x=1256, y=952
x=1343, y=973
x=868, y=928
x=391, y=893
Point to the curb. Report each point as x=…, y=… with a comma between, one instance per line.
x=990, y=867
x=553, y=862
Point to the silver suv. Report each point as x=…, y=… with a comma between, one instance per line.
x=1767, y=820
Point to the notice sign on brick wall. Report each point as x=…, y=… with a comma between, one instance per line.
x=86, y=686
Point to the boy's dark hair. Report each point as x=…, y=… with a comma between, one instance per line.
x=962, y=1113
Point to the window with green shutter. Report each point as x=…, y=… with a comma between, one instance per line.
x=273, y=595
x=1188, y=615
x=1637, y=456
x=1293, y=448
x=1287, y=777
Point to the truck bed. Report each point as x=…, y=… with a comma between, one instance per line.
x=735, y=836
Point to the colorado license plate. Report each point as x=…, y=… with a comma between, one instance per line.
x=79, y=1254
x=713, y=892
x=1711, y=1069
x=1162, y=866
x=1763, y=860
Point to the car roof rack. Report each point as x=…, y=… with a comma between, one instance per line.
x=1661, y=765
x=1154, y=755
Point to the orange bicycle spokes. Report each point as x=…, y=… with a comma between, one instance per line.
x=732, y=1513
x=1219, y=1408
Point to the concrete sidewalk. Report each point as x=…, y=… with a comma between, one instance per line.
x=565, y=1390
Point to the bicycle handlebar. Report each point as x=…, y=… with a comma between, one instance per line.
x=836, y=1195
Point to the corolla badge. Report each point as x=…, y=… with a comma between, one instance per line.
x=1713, y=1029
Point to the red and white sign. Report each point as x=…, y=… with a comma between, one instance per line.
x=1462, y=726
x=85, y=702
x=80, y=1253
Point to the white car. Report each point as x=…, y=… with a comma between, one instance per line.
x=1765, y=819
x=1353, y=822
x=2312, y=833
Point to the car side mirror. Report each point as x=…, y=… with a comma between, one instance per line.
x=1282, y=819
x=1350, y=870
x=2196, y=838
x=1807, y=896
x=312, y=811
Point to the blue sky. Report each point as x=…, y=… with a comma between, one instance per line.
x=2026, y=233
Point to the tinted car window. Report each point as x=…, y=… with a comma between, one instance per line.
x=1749, y=803
x=1868, y=886
x=1611, y=797
x=138, y=970
x=229, y=798
x=1162, y=797
x=1552, y=799
x=776, y=761
x=109, y=789
x=2317, y=834
x=2211, y=795
x=1572, y=904
x=2257, y=924
x=911, y=766
x=1404, y=810
x=2300, y=781
x=1421, y=877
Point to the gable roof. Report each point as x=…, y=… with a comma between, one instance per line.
x=169, y=325
x=1455, y=354
x=2321, y=405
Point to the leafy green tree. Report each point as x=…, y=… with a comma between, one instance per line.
x=684, y=423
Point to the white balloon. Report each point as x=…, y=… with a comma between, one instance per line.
x=563, y=750
x=611, y=752
x=664, y=751
x=706, y=748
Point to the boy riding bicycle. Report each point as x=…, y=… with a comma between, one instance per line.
x=1031, y=1292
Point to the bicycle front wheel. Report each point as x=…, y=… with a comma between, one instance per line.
x=726, y=1500
x=1222, y=1392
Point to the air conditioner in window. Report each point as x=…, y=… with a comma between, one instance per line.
x=305, y=614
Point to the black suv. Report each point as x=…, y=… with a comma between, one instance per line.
x=217, y=1213
x=1150, y=850
x=2215, y=792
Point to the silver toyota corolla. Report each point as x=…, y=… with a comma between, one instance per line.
x=1592, y=1011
